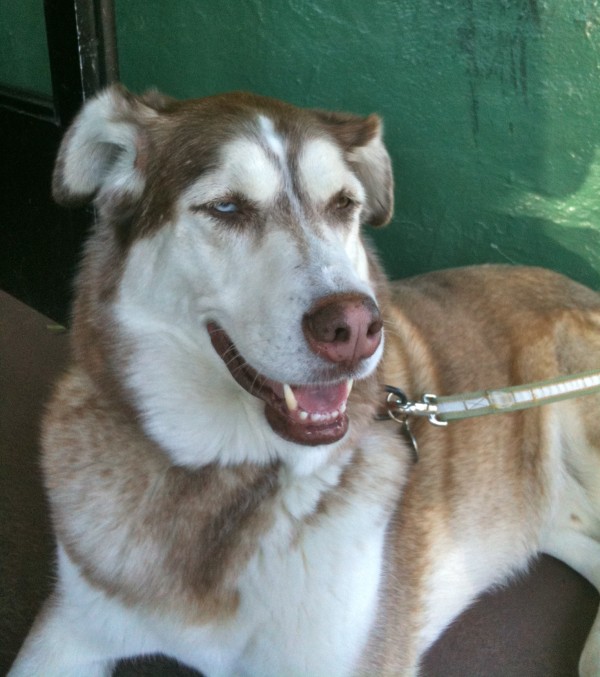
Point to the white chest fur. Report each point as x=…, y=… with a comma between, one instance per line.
x=307, y=596
x=308, y=602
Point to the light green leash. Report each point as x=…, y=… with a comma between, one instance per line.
x=440, y=410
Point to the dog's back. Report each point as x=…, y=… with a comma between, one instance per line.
x=489, y=493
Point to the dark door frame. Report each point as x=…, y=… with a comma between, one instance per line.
x=40, y=243
x=82, y=50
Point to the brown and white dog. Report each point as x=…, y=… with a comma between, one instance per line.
x=220, y=492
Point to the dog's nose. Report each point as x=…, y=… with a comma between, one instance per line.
x=343, y=328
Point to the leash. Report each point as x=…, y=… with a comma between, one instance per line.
x=440, y=410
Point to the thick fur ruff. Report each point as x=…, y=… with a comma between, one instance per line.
x=221, y=490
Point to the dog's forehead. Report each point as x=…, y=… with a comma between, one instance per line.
x=264, y=158
x=323, y=171
x=246, y=167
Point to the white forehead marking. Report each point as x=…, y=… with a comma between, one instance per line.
x=245, y=168
x=259, y=170
x=323, y=171
x=272, y=139
x=277, y=145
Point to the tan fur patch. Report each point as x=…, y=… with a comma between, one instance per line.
x=114, y=492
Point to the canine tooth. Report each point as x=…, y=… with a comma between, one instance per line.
x=343, y=408
x=290, y=398
x=349, y=384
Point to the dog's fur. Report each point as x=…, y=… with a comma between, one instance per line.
x=197, y=516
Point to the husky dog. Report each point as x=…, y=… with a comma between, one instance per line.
x=221, y=490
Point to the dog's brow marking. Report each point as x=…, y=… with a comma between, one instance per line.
x=247, y=168
x=333, y=172
x=272, y=139
x=276, y=144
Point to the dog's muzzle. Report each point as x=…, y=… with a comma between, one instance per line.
x=342, y=330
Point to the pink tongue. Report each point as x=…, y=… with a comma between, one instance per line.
x=320, y=399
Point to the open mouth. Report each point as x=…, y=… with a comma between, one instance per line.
x=306, y=414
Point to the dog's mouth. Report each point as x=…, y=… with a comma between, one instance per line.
x=306, y=414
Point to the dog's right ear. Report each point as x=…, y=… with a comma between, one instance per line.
x=106, y=148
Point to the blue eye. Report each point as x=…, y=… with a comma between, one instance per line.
x=225, y=207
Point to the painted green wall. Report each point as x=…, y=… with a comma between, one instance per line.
x=24, y=59
x=492, y=107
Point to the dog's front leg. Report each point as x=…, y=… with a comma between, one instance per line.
x=50, y=650
x=80, y=632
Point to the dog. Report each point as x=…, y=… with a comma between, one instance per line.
x=221, y=489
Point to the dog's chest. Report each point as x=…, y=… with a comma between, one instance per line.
x=308, y=595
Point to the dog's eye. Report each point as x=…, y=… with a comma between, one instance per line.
x=225, y=207
x=343, y=202
x=220, y=208
x=235, y=211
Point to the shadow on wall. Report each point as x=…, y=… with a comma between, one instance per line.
x=508, y=168
x=539, y=247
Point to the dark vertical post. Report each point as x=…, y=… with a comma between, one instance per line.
x=83, y=51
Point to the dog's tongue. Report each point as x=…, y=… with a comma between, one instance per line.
x=320, y=399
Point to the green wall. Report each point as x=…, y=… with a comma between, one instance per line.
x=491, y=106
x=24, y=59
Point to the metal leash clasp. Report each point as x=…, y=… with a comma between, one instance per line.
x=399, y=407
x=396, y=402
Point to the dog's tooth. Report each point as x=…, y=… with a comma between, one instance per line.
x=343, y=408
x=303, y=415
x=349, y=385
x=290, y=398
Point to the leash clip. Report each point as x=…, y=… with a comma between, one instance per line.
x=399, y=407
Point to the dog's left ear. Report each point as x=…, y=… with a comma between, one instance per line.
x=105, y=150
x=362, y=140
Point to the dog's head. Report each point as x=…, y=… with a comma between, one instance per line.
x=227, y=278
